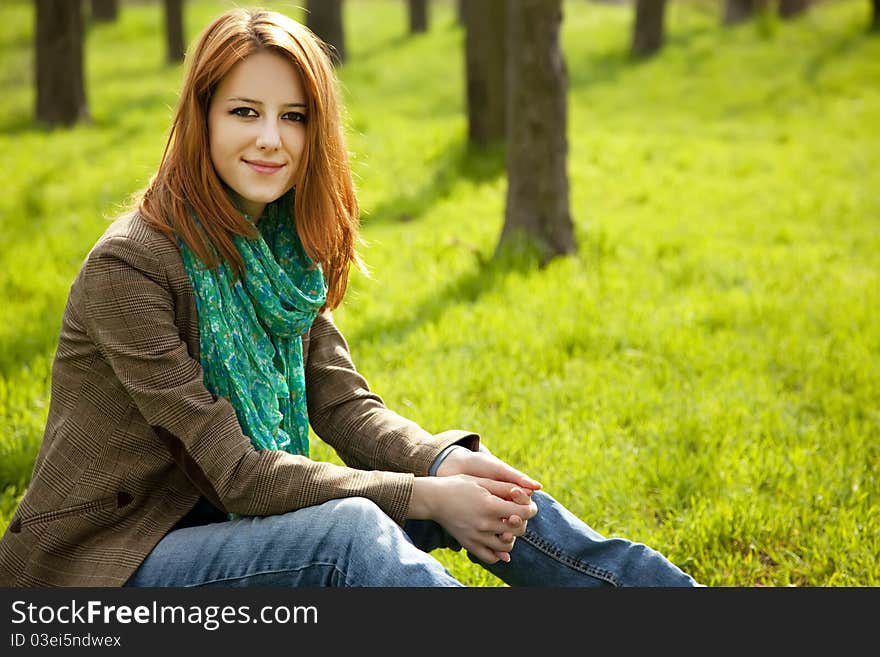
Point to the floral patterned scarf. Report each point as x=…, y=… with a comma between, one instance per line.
x=250, y=329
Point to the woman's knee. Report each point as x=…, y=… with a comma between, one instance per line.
x=357, y=510
x=359, y=518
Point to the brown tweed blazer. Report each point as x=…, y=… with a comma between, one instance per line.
x=133, y=438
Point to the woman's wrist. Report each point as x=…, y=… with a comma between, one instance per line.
x=435, y=466
x=422, y=500
x=451, y=463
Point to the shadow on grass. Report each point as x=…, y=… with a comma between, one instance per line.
x=604, y=68
x=25, y=124
x=489, y=274
x=457, y=162
x=397, y=42
x=842, y=46
x=608, y=67
x=684, y=37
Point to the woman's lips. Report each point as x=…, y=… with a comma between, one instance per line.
x=264, y=167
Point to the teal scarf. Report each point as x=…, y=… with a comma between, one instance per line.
x=250, y=328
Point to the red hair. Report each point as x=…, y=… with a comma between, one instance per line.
x=325, y=210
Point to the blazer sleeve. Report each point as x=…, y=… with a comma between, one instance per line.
x=130, y=315
x=346, y=414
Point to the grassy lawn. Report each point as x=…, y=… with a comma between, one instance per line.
x=701, y=377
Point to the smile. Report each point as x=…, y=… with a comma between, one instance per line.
x=264, y=167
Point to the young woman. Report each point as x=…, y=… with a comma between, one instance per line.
x=198, y=347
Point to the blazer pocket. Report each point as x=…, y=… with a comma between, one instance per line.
x=115, y=501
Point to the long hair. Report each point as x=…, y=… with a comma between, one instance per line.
x=325, y=209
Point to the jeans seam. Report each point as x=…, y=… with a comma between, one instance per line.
x=555, y=552
x=267, y=572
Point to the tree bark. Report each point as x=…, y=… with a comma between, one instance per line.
x=485, y=64
x=737, y=11
x=648, y=31
x=174, y=41
x=537, y=208
x=105, y=10
x=418, y=16
x=61, y=95
x=792, y=8
x=324, y=18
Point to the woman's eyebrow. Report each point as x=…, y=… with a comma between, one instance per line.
x=259, y=102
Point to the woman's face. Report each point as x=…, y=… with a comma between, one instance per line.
x=256, y=129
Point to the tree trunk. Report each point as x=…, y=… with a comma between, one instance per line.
x=792, y=8
x=61, y=95
x=105, y=10
x=174, y=41
x=459, y=11
x=648, y=30
x=485, y=48
x=537, y=209
x=737, y=11
x=875, y=16
x=324, y=18
x=418, y=16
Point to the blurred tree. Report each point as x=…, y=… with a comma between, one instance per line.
x=648, y=30
x=61, y=95
x=485, y=48
x=105, y=10
x=875, y=16
x=792, y=8
x=418, y=16
x=737, y=11
x=459, y=11
x=537, y=206
x=324, y=18
x=174, y=42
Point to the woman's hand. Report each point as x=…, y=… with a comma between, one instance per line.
x=483, y=515
x=488, y=467
x=485, y=465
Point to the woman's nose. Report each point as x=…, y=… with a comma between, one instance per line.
x=269, y=138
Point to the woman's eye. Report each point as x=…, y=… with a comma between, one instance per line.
x=244, y=112
x=295, y=116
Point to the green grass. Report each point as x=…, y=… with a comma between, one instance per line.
x=701, y=377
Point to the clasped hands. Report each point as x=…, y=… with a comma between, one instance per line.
x=483, y=502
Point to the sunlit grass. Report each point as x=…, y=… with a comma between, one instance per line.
x=701, y=377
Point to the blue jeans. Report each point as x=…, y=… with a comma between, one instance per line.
x=351, y=542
